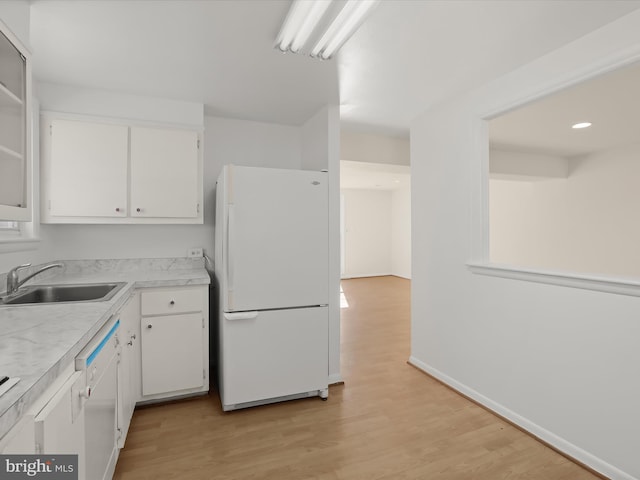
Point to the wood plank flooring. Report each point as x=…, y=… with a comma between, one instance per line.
x=388, y=421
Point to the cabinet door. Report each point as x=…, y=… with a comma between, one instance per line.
x=164, y=173
x=172, y=353
x=88, y=169
x=15, y=135
x=128, y=368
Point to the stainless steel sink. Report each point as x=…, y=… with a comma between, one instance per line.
x=85, y=292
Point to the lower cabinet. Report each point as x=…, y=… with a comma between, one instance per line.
x=128, y=366
x=54, y=424
x=175, y=342
x=160, y=350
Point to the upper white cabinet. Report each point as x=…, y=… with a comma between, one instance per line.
x=162, y=162
x=88, y=169
x=96, y=172
x=15, y=104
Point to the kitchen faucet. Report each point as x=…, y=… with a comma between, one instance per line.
x=12, y=277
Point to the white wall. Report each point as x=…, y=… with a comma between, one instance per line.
x=16, y=15
x=368, y=223
x=374, y=148
x=505, y=164
x=561, y=362
x=528, y=223
x=401, y=232
x=586, y=222
x=376, y=250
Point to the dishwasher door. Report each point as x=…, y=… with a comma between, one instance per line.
x=99, y=362
x=100, y=424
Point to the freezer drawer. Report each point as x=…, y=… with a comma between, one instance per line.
x=271, y=354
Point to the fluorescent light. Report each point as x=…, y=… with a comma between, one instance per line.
x=306, y=16
x=297, y=16
x=341, y=29
x=581, y=125
x=309, y=24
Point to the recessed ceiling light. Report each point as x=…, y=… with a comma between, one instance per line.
x=581, y=125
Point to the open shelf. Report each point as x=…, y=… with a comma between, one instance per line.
x=7, y=152
x=8, y=98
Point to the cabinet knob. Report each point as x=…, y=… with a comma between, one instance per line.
x=130, y=343
x=117, y=209
x=172, y=302
x=149, y=326
x=138, y=210
x=133, y=337
x=86, y=393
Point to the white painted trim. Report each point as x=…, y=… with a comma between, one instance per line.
x=557, y=442
x=406, y=277
x=620, y=286
x=366, y=275
x=335, y=378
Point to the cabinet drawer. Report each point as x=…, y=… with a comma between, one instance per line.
x=163, y=302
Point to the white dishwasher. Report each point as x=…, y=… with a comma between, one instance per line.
x=99, y=363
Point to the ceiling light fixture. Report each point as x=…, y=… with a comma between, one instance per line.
x=301, y=21
x=332, y=21
x=581, y=125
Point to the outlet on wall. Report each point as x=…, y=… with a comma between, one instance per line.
x=195, y=252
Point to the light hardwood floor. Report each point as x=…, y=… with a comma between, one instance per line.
x=388, y=421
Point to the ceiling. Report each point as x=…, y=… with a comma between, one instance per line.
x=407, y=56
x=609, y=102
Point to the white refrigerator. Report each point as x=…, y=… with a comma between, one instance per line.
x=271, y=267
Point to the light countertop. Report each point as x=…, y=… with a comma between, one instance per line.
x=37, y=342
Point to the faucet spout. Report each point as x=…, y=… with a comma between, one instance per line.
x=13, y=282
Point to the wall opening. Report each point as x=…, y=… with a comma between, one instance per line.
x=566, y=199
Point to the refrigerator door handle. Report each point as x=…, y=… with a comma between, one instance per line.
x=240, y=315
x=230, y=256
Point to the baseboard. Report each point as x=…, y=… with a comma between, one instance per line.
x=400, y=276
x=365, y=275
x=347, y=277
x=562, y=446
x=335, y=378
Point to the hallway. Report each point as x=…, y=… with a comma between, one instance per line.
x=388, y=421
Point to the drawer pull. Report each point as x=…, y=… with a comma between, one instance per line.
x=149, y=326
x=172, y=302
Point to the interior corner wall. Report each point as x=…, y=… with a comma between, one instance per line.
x=368, y=225
x=560, y=362
x=320, y=136
x=585, y=223
x=401, y=232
